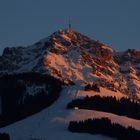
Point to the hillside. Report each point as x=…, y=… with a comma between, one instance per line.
x=52, y=122
x=72, y=57
x=80, y=66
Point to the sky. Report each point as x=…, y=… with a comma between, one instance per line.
x=114, y=22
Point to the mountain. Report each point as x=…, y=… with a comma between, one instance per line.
x=73, y=57
x=37, y=82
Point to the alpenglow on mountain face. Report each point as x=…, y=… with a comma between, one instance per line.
x=72, y=57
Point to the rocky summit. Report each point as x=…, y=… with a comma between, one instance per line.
x=70, y=56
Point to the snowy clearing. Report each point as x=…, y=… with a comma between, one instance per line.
x=52, y=122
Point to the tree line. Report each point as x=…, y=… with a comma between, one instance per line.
x=4, y=136
x=105, y=127
x=13, y=89
x=123, y=106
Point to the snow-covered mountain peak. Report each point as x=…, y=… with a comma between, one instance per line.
x=37, y=73
x=73, y=57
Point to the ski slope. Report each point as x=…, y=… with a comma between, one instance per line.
x=52, y=122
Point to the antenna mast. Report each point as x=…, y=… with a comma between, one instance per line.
x=69, y=25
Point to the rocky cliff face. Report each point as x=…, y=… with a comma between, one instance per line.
x=70, y=56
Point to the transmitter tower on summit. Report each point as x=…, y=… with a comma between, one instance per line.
x=69, y=24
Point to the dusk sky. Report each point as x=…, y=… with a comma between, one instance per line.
x=114, y=22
